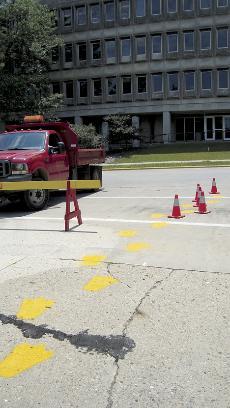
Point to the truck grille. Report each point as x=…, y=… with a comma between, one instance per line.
x=5, y=169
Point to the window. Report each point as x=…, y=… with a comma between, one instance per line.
x=205, y=39
x=189, y=81
x=205, y=4
x=222, y=3
x=112, y=86
x=96, y=50
x=82, y=52
x=56, y=87
x=206, y=80
x=141, y=46
x=124, y=9
x=82, y=88
x=68, y=53
x=222, y=38
x=173, y=82
x=172, y=6
x=55, y=17
x=156, y=7
x=110, y=11
x=69, y=89
x=188, y=5
x=156, y=44
x=55, y=55
x=67, y=17
x=140, y=8
x=97, y=91
x=141, y=84
x=81, y=15
x=157, y=83
x=223, y=78
x=189, y=41
x=95, y=13
x=110, y=50
x=125, y=47
x=126, y=85
x=172, y=42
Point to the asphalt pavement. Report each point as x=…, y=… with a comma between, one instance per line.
x=130, y=309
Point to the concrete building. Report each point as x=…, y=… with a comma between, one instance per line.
x=165, y=62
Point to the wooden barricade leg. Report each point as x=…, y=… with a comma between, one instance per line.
x=71, y=196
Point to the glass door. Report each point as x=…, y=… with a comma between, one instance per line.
x=227, y=128
x=209, y=127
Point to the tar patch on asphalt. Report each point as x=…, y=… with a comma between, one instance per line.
x=114, y=346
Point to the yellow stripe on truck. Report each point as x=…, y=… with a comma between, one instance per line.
x=50, y=185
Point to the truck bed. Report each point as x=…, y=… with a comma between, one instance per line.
x=90, y=156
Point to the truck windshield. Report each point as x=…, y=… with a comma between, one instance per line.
x=22, y=140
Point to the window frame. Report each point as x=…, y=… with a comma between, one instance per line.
x=175, y=11
x=110, y=59
x=194, y=81
x=66, y=17
x=205, y=8
x=211, y=76
x=177, y=42
x=131, y=85
x=139, y=76
x=120, y=9
x=92, y=50
x=184, y=9
x=161, y=44
x=162, y=79
x=91, y=11
x=114, y=11
x=94, y=80
x=184, y=35
x=77, y=15
x=144, y=4
x=210, y=38
x=79, y=88
x=227, y=37
x=157, y=14
x=218, y=79
x=107, y=86
x=178, y=82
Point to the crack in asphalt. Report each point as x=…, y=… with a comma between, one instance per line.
x=115, y=346
x=167, y=268
x=125, y=328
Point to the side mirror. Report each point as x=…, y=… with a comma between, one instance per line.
x=61, y=147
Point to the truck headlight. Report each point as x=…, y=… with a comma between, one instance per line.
x=19, y=168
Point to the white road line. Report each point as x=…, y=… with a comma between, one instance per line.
x=150, y=198
x=120, y=220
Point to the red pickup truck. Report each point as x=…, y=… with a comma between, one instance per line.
x=38, y=150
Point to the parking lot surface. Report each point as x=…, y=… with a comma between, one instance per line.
x=130, y=309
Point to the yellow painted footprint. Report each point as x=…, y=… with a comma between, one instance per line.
x=23, y=357
x=32, y=308
x=127, y=233
x=137, y=246
x=99, y=282
x=92, y=260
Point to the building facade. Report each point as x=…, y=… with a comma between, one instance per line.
x=165, y=62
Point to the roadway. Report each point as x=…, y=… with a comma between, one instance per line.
x=130, y=309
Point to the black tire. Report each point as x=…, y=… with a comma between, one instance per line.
x=35, y=200
x=97, y=175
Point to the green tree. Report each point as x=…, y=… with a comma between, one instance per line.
x=120, y=129
x=27, y=37
x=88, y=137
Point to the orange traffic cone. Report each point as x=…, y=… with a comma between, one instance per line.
x=176, y=209
x=214, y=188
x=202, y=205
x=198, y=197
x=197, y=189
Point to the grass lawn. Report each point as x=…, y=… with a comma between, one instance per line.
x=173, y=152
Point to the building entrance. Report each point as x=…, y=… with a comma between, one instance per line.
x=217, y=127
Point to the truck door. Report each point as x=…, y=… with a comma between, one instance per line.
x=58, y=160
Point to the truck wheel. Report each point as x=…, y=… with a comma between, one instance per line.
x=35, y=200
x=97, y=174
